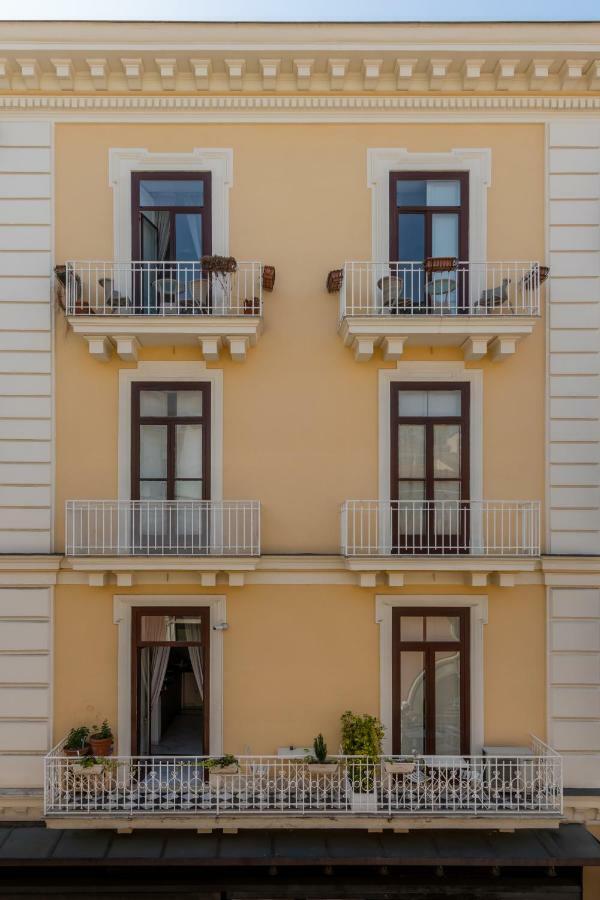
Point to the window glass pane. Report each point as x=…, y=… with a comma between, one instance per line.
x=443, y=403
x=411, y=237
x=189, y=403
x=171, y=628
x=188, y=236
x=412, y=403
x=171, y=192
x=410, y=515
x=188, y=490
x=411, y=490
x=412, y=702
x=153, y=451
x=411, y=628
x=152, y=490
x=446, y=451
x=447, y=702
x=153, y=403
x=410, y=192
x=451, y=516
x=411, y=451
x=188, y=455
x=444, y=234
x=443, y=193
x=443, y=628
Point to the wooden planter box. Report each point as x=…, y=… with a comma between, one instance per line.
x=334, y=281
x=268, y=278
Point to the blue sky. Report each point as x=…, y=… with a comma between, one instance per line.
x=311, y=10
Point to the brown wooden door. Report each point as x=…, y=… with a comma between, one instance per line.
x=429, y=467
x=164, y=637
x=430, y=681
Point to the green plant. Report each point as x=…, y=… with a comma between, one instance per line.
x=102, y=732
x=88, y=761
x=320, y=749
x=362, y=736
x=77, y=738
x=220, y=762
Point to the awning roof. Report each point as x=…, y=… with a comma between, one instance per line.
x=569, y=845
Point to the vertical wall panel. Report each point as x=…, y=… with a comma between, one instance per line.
x=25, y=338
x=574, y=339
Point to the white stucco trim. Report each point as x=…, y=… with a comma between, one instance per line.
x=477, y=161
x=478, y=605
x=148, y=370
x=122, y=607
x=432, y=371
x=123, y=161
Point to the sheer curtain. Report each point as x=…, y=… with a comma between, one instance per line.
x=153, y=669
x=191, y=634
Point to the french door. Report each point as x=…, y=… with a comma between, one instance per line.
x=170, y=657
x=430, y=688
x=429, y=470
x=429, y=217
x=170, y=461
x=171, y=231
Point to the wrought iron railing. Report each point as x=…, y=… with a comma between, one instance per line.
x=476, y=527
x=97, y=288
x=383, y=786
x=469, y=288
x=162, y=527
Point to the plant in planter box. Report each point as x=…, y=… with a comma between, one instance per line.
x=318, y=762
x=219, y=268
x=101, y=739
x=76, y=743
x=89, y=765
x=222, y=765
x=362, y=736
x=404, y=765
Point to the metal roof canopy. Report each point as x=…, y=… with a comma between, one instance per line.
x=569, y=846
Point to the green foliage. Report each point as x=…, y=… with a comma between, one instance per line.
x=362, y=735
x=320, y=749
x=219, y=265
x=88, y=761
x=220, y=762
x=102, y=732
x=77, y=738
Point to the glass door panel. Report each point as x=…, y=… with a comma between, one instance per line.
x=447, y=702
x=412, y=702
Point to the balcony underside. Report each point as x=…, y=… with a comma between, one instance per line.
x=124, y=334
x=477, y=336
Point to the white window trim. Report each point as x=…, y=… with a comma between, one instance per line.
x=478, y=605
x=123, y=161
x=147, y=370
x=433, y=371
x=476, y=161
x=122, y=607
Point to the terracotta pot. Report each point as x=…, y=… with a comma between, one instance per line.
x=75, y=753
x=101, y=746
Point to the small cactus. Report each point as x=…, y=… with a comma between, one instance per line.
x=320, y=748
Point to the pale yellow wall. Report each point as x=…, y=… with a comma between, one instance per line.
x=301, y=416
x=297, y=656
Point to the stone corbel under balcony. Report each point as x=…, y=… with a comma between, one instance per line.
x=124, y=335
x=127, y=572
x=496, y=337
x=475, y=572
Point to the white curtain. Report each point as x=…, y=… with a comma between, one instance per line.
x=154, y=661
x=164, y=234
x=192, y=634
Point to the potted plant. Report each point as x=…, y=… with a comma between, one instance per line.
x=101, y=740
x=362, y=736
x=222, y=765
x=319, y=765
x=76, y=743
x=403, y=766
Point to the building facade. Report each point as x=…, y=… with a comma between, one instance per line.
x=300, y=399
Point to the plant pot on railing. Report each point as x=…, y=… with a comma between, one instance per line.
x=399, y=767
x=76, y=742
x=101, y=740
x=223, y=765
x=252, y=307
x=318, y=764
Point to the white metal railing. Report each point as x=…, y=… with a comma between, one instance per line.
x=449, y=527
x=382, y=786
x=162, y=527
x=472, y=288
x=161, y=289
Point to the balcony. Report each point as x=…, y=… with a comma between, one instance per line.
x=123, y=306
x=450, y=528
x=257, y=791
x=150, y=528
x=481, y=307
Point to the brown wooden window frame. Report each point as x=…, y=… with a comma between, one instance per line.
x=137, y=645
x=464, y=420
x=205, y=210
x=429, y=648
x=138, y=420
x=429, y=211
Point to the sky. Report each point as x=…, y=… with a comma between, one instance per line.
x=303, y=10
